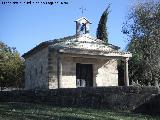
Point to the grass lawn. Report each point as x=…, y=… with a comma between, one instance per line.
x=27, y=111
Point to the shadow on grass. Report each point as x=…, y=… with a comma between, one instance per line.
x=151, y=107
x=45, y=112
x=31, y=111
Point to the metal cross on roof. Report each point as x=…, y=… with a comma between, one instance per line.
x=83, y=9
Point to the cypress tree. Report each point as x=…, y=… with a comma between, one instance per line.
x=102, y=28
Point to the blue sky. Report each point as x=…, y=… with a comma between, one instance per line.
x=25, y=26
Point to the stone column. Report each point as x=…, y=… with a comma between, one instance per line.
x=59, y=71
x=126, y=77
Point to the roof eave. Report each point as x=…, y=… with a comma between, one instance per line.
x=93, y=52
x=83, y=18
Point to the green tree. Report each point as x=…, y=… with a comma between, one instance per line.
x=102, y=28
x=143, y=30
x=11, y=67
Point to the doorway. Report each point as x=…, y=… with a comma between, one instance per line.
x=84, y=75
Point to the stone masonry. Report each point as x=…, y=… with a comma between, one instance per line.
x=137, y=99
x=36, y=70
x=41, y=71
x=100, y=76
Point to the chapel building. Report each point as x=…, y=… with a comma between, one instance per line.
x=74, y=61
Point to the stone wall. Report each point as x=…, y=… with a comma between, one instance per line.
x=105, y=71
x=68, y=72
x=36, y=70
x=118, y=98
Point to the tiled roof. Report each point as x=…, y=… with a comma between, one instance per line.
x=90, y=45
x=83, y=43
x=46, y=44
